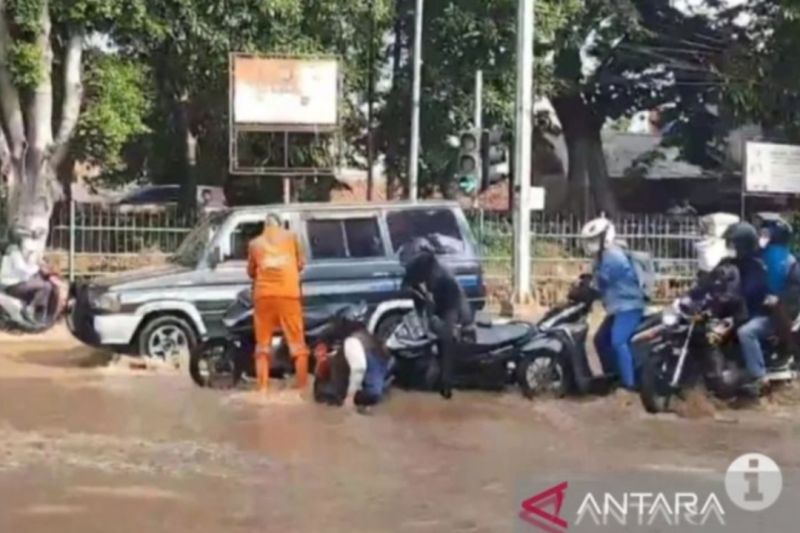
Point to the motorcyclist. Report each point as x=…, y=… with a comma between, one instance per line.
x=357, y=372
x=743, y=239
x=431, y=284
x=622, y=296
x=783, y=275
x=25, y=277
x=718, y=287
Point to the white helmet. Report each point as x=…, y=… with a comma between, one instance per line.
x=598, y=234
x=712, y=248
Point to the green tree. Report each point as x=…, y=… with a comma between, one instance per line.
x=41, y=69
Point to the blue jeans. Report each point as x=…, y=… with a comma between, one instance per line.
x=750, y=336
x=613, y=344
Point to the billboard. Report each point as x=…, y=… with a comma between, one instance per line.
x=772, y=168
x=284, y=93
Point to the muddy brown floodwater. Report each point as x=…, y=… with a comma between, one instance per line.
x=88, y=448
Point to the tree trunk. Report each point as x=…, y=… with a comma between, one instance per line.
x=30, y=153
x=588, y=185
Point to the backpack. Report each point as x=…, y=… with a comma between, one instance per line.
x=645, y=269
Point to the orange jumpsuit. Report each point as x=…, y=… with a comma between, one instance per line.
x=275, y=261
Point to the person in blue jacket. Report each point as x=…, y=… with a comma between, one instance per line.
x=623, y=299
x=783, y=277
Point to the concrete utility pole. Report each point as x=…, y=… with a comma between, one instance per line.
x=522, y=152
x=413, y=160
x=478, y=127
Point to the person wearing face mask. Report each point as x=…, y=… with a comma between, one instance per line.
x=783, y=275
x=623, y=298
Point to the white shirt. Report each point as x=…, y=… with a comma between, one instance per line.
x=356, y=357
x=15, y=268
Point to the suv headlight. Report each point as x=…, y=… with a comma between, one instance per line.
x=107, y=302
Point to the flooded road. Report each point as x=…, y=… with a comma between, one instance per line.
x=91, y=448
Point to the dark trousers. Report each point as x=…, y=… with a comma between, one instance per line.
x=35, y=292
x=444, y=327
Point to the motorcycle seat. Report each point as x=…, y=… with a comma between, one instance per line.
x=317, y=317
x=498, y=336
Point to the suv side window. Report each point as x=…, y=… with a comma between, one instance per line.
x=439, y=225
x=326, y=239
x=240, y=239
x=353, y=238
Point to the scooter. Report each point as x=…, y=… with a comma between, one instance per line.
x=18, y=316
x=555, y=360
x=486, y=356
x=696, y=348
x=224, y=363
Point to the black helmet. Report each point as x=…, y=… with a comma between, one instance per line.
x=743, y=238
x=774, y=228
x=414, y=249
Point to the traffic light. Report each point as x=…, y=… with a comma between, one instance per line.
x=468, y=173
x=493, y=154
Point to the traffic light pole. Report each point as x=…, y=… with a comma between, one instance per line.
x=478, y=126
x=522, y=152
x=413, y=160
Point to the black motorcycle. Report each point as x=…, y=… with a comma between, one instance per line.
x=555, y=361
x=223, y=363
x=695, y=348
x=486, y=354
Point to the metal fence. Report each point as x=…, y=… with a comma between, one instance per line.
x=90, y=240
x=557, y=256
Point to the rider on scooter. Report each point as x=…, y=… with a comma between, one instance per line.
x=25, y=277
x=622, y=296
x=783, y=276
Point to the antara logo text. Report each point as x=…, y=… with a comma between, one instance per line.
x=543, y=510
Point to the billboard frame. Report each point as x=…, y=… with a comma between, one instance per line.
x=319, y=130
x=745, y=192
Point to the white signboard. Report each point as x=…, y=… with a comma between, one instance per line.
x=772, y=168
x=536, y=198
x=285, y=92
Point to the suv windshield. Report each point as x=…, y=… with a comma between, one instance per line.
x=191, y=249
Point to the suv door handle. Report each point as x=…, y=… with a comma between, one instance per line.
x=380, y=274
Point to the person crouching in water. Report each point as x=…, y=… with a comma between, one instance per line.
x=275, y=262
x=622, y=296
x=352, y=365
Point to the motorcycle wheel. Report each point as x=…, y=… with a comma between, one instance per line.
x=542, y=374
x=211, y=366
x=655, y=390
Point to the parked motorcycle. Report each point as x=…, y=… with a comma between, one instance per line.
x=555, y=360
x=486, y=356
x=696, y=348
x=18, y=316
x=223, y=363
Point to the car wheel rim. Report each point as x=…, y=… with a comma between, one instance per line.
x=543, y=375
x=169, y=344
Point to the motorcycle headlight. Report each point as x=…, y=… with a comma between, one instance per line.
x=107, y=302
x=670, y=319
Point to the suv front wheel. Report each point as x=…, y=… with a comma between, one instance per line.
x=168, y=339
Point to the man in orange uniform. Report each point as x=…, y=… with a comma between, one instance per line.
x=275, y=261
